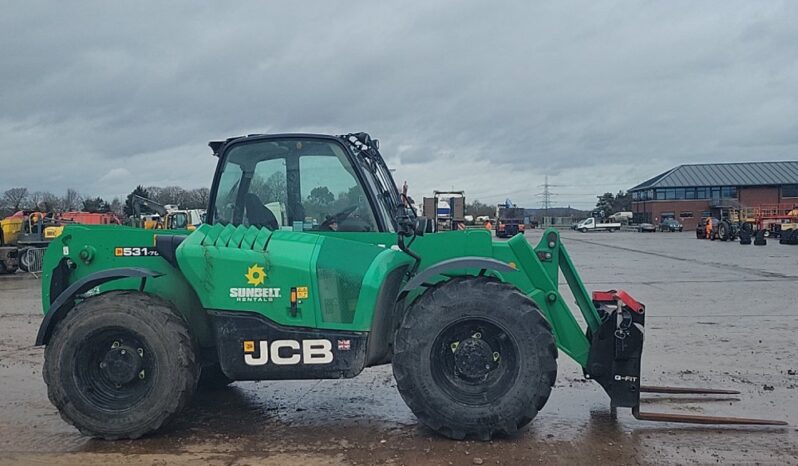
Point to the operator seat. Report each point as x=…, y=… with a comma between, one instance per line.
x=258, y=214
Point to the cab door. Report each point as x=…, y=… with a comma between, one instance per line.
x=298, y=189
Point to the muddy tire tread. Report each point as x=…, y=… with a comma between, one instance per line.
x=447, y=292
x=169, y=319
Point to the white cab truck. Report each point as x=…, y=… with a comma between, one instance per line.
x=590, y=224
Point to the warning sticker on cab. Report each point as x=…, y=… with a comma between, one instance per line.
x=301, y=292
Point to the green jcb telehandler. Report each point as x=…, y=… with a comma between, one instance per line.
x=312, y=265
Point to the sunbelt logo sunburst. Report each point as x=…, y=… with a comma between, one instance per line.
x=255, y=275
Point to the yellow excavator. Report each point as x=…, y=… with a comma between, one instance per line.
x=165, y=218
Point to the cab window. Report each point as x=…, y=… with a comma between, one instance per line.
x=179, y=221
x=302, y=185
x=332, y=198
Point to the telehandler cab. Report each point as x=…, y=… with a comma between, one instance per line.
x=312, y=265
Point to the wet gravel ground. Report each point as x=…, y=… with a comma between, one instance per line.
x=718, y=315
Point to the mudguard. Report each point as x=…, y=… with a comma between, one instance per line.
x=475, y=262
x=66, y=299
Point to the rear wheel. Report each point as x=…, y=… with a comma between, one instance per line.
x=474, y=357
x=26, y=259
x=723, y=230
x=120, y=365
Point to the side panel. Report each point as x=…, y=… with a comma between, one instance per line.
x=252, y=270
x=251, y=347
x=336, y=281
x=93, y=248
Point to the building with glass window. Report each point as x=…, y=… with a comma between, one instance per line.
x=690, y=192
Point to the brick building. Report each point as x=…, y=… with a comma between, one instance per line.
x=690, y=192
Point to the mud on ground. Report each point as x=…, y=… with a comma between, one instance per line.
x=719, y=315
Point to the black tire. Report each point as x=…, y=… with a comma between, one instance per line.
x=120, y=365
x=212, y=378
x=5, y=269
x=458, y=397
x=745, y=234
x=760, y=238
x=583, y=230
x=789, y=237
x=23, y=259
x=723, y=230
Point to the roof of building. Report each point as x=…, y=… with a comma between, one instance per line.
x=725, y=174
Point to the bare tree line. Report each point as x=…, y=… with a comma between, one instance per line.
x=20, y=198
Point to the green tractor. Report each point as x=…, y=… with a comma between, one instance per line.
x=313, y=265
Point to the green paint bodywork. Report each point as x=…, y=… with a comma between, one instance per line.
x=342, y=272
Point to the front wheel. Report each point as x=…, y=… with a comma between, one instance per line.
x=120, y=365
x=583, y=230
x=474, y=357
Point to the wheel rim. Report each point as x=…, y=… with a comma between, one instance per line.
x=114, y=369
x=474, y=361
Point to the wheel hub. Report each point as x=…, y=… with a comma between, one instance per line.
x=122, y=365
x=474, y=359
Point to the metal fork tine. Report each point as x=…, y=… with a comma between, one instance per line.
x=686, y=390
x=696, y=419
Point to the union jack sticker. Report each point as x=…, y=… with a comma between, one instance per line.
x=344, y=345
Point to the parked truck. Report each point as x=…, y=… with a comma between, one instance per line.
x=591, y=224
x=509, y=220
x=446, y=209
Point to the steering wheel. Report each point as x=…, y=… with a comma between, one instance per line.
x=338, y=217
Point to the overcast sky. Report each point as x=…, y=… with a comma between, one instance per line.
x=482, y=96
